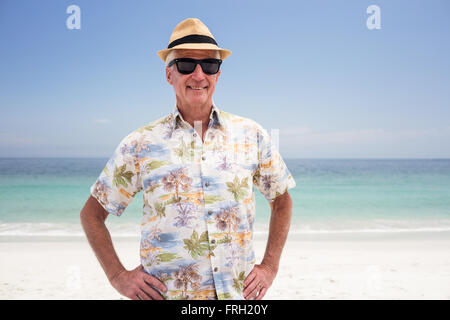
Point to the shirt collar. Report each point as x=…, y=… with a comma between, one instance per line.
x=214, y=116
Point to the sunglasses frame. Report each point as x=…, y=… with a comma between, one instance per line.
x=196, y=61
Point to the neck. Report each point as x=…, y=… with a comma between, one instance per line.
x=193, y=113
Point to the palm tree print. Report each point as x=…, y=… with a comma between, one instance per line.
x=184, y=214
x=197, y=246
x=239, y=282
x=266, y=181
x=160, y=209
x=155, y=164
x=227, y=218
x=187, y=276
x=153, y=233
x=125, y=149
x=140, y=145
x=224, y=165
x=183, y=152
x=120, y=175
x=156, y=259
x=102, y=192
x=176, y=180
x=238, y=188
x=233, y=254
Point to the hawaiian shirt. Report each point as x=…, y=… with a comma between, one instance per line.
x=199, y=200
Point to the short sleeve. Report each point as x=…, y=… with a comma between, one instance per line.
x=272, y=177
x=119, y=181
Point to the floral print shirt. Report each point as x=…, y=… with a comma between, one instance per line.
x=199, y=200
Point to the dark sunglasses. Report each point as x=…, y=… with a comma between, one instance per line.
x=188, y=65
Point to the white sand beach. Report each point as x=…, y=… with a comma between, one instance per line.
x=358, y=266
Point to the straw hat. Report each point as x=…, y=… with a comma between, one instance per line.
x=192, y=34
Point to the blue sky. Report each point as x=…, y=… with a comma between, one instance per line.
x=311, y=69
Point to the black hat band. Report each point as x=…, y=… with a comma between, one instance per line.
x=193, y=38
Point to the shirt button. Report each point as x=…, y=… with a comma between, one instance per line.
x=216, y=269
x=210, y=212
x=213, y=241
x=207, y=183
x=203, y=158
x=194, y=134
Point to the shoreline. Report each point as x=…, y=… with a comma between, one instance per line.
x=262, y=236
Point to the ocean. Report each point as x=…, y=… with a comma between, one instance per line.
x=44, y=197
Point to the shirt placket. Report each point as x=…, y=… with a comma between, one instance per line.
x=203, y=156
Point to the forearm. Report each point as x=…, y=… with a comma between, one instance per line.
x=100, y=240
x=278, y=231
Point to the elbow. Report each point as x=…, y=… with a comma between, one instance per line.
x=83, y=217
x=92, y=211
x=283, y=204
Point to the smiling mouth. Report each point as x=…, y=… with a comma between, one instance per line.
x=197, y=88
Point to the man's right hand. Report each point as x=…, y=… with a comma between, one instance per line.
x=138, y=285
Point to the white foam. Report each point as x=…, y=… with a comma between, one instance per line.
x=12, y=229
x=62, y=229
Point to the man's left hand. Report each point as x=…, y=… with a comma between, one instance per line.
x=258, y=282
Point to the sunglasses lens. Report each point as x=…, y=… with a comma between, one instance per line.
x=186, y=67
x=210, y=66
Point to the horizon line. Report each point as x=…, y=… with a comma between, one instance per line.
x=284, y=158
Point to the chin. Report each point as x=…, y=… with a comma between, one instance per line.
x=198, y=100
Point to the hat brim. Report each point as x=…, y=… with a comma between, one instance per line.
x=224, y=53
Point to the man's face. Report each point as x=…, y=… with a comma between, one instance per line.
x=197, y=88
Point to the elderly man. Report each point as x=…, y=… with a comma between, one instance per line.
x=196, y=168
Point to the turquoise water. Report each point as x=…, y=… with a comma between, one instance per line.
x=45, y=196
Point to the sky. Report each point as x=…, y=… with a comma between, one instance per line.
x=311, y=69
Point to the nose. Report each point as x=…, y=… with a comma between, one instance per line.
x=198, y=73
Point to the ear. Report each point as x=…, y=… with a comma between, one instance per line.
x=169, y=76
x=218, y=74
